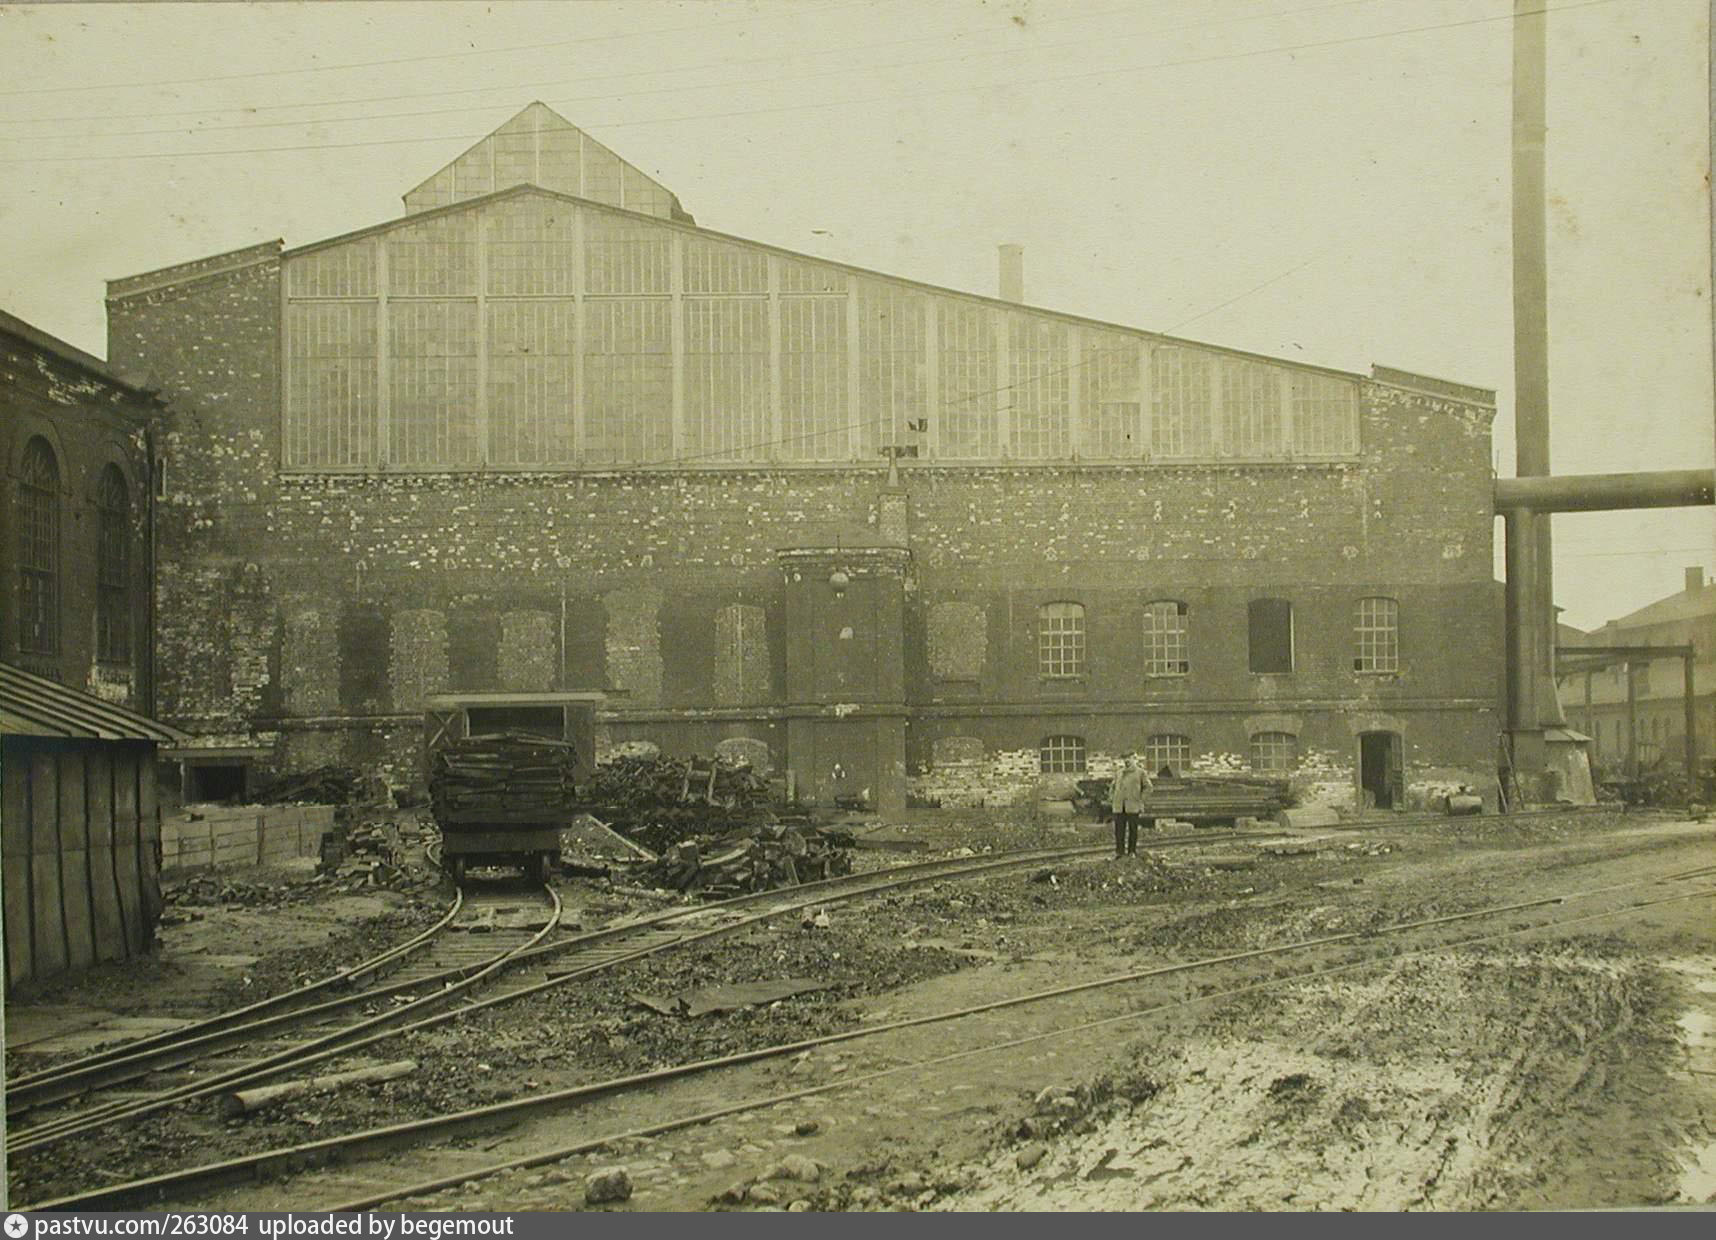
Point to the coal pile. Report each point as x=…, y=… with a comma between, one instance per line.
x=503, y=776
x=661, y=801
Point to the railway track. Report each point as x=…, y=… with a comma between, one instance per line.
x=482, y=932
x=1372, y=947
x=531, y=967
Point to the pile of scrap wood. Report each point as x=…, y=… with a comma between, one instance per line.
x=1198, y=798
x=326, y=785
x=660, y=801
x=759, y=859
x=503, y=776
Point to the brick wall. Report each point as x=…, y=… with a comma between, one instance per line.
x=90, y=422
x=274, y=586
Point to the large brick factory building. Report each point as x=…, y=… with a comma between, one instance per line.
x=545, y=433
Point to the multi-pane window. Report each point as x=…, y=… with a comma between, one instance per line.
x=1062, y=755
x=969, y=399
x=813, y=378
x=726, y=376
x=530, y=381
x=1181, y=422
x=433, y=386
x=1377, y=627
x=1109, y=393
x=1251, y=408
x=628, y=379
x=1270, y=630
x=1275, y=753
x=1038, y=351
x=1165, y=646
x=331, y=384
x=39, y=550
x=1167, y=749
x=113, y=568
x=892, y=376
x=1060, y=641
x=1325, y=415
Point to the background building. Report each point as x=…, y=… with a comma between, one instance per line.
x=544, y=433
x=79, y=822
x=1596, y=701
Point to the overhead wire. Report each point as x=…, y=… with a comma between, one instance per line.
x=890, y=99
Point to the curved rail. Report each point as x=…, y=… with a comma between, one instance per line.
x=291, y=1058
x=486, y=1117
x=144, y=1055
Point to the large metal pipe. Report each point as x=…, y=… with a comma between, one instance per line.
x=1669, y=488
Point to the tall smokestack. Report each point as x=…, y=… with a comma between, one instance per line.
x=1013, y=273
x=1694, y=580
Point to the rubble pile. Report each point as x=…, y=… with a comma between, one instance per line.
x=326, y=785
x=660, y=802
x=1198, y=798
x=757, y=860
x=370, y=854
x=503, y=776
x=208, y=890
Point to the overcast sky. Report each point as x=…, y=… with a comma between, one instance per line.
x=1318, y=181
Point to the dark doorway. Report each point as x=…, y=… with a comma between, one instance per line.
x=1270, y=624
x=1380, y=773
x=537, y=720
x=209, y=783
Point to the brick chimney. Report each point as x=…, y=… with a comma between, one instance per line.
x=1013, y=273
x=1694, y=579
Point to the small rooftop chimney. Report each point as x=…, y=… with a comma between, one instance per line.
x=1694, y=579
x=1013, y=273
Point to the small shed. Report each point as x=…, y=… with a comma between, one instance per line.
x=80, y=827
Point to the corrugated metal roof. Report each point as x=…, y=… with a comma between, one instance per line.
x=34, y=706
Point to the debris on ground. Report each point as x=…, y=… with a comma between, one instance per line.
x=733, y=997
x=326, y=785
x=589, y=842
x=659, y=801
x=757, y=859
x=1197, y=798
x=609, y=1185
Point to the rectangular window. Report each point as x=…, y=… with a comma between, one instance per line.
x=530, y=382
x=813, y=379
x=1037, y=350
x=1271, y=635
x=1165, y=645
x=892, y=374
x=1062, y=755
x=1377, y=629
x=628, y=380
x=531, y=249
x=1251, y=409
x=1325, y=416
x=433, y=384
x=1113, y=409
x=969, y=399
x=1181, y=422
x=331, y=386
x=1167, y=749
x=1060, y=641
x=625, y=258
x=1275, y=753
x=726, y=377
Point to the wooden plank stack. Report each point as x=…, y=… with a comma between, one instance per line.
x=759, y=859
x=1199, y=798
x=659, y=801
x=503, y=777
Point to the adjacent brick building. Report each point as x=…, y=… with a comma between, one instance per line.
x=543, y=432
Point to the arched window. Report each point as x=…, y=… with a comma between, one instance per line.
x=1060, y=641
x=39, y=550
x=113, y=569
x=1167, y=749
x=1275, y=753
x=1062, y=755
x=1165, y=646
x=1376, y=625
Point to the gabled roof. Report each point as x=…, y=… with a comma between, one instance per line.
x=34, y=706
x=541, y=147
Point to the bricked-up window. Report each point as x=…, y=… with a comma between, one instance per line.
x=1062, y=755
x=813, y=376
x=113, y=568
x=1167, y=749
x=1037, y=351
x=726, y=376
x=1166, y=650
x=39, y=550
x=1325, y=415
x=1181, y=422
x=969, y=400
x=742, y=671
x=1251, y=408
x=1271, y=634
x=1377, y=628
x=1060, y=641
x=1274, y=753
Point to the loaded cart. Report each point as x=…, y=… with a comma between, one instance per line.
x=501, y=770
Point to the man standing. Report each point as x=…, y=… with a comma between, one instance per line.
x=1126, y=799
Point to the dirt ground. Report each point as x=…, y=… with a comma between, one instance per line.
x=1553, y=1068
